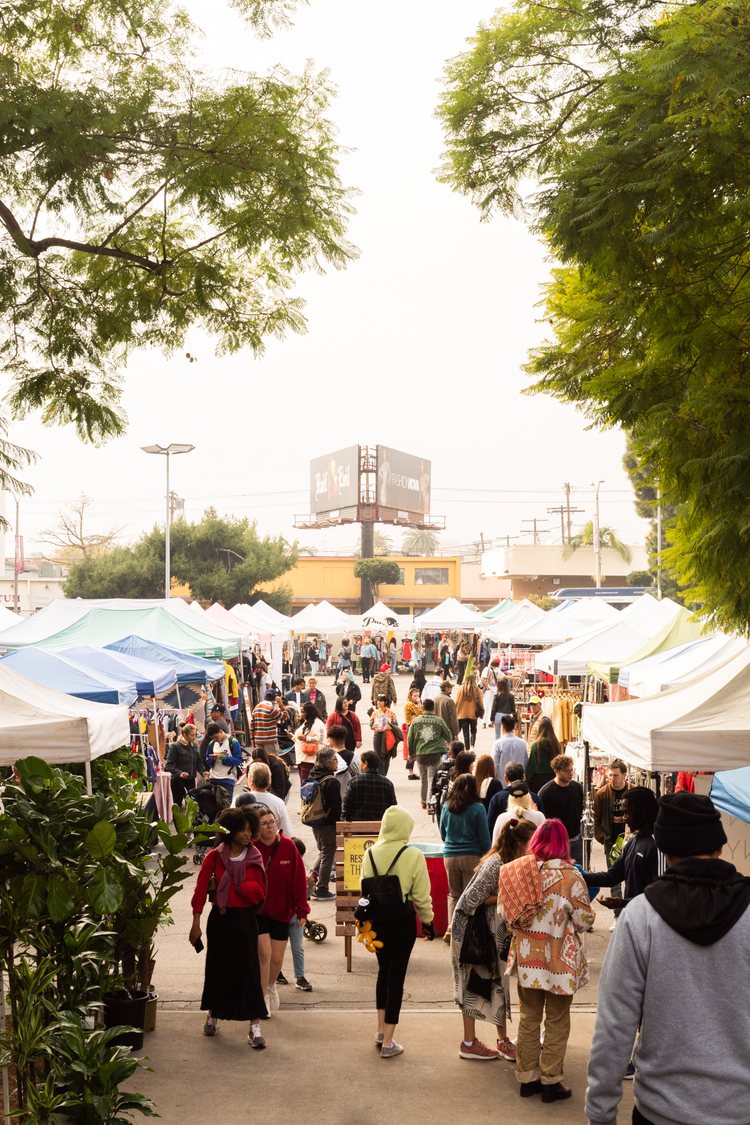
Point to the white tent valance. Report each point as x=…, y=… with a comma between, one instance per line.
x=704, y=725
x=381, y=617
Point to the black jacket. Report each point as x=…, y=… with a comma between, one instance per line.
x=637, y=867
x=367, y=797
x=183, y=759
x=331, y=793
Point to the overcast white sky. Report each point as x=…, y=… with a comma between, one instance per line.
x=418, y=345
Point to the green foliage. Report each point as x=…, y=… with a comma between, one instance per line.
x=640, y=578
x=82, y=893
x=142, y=197
x=420, y=543
x=607, y=539
x=633, y=119
x=377, y=572
x=220, y=559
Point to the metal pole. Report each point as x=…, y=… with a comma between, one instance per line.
x=15, y=567
x=166, y=540
x=89, y=783
x=597, y=540
x=658, y=543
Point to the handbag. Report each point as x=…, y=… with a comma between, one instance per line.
x=393, y=736
x=478, y=946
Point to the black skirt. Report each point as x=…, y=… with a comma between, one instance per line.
x=231, y=987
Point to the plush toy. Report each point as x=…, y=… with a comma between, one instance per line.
x=367, y=936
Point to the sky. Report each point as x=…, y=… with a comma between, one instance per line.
x=419, y=344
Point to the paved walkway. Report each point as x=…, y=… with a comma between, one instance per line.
x=320, y=1056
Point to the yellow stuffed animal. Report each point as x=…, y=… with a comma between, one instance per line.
x=367, y=936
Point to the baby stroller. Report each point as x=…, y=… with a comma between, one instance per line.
x=210, y=799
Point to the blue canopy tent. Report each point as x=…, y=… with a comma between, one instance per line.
x=148, y=677
x=189, y=669
x=55, y=672
x=730, y=792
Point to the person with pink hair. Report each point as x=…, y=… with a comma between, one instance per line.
x=545, y=902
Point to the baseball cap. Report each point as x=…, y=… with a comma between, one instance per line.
x=534, y=699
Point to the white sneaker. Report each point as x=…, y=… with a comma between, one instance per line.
x=273, y=994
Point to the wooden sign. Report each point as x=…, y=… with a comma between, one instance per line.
x=352, y=840
x=354, y=854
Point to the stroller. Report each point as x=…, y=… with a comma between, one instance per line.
x=210, y=799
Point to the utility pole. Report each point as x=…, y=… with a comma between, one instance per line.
x=559, y=510
x=597, y=538
x=569, y=511
x=176, y=504
x=535, y=521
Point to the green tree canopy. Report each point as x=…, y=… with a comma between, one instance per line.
x=377, y=572
x=220, y=559
x=633, y=119
x=142, y=197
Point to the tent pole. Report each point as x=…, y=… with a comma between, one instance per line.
x=87, y=771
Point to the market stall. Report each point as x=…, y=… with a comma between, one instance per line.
x=52, y=670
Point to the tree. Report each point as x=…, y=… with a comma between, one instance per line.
x=420, y=543
x=382, y=543
x=141, y=198
x=69, y=537
x=377, y=572
x=629, y=117
x=607, y=539
x=640, y=578
x=220, y=559
x=636, y=464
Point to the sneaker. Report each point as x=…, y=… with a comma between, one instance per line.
x=477, y=1050
x=391, y=1052
x=528, y=1089
x=273, y=994
x=323, y=893
x=281, y=979
x=556, y=1092
x=209, y=1028
x=255, y=1038
x=303, y=984
x=412, y=777
x=629, y=1072
x=506, y=1049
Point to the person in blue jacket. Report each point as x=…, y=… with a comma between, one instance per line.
x=466, y=837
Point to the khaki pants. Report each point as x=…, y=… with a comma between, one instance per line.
x=459, y=869
x=533, y=1059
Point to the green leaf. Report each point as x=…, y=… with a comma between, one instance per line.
x=60, y=901
x=101, y=840
x=35, y=774
x=105, y=891
x=33, y=895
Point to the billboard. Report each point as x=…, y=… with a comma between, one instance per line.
x=334, y=481
x=403, y=481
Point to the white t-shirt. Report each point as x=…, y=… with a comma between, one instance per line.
x=315, y=738
x=275, y=805
x=532, y=815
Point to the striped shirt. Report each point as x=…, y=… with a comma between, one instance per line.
x=263, y=723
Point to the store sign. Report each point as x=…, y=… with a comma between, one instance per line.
x=354, y=855
x=334, y=481
x=403, y=481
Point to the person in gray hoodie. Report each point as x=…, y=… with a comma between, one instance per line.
x=677, y=969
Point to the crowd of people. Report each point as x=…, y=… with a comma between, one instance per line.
x=518, y=895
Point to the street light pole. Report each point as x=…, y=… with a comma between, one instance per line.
x=15, y=556
x=597, y=538
x=167, y=451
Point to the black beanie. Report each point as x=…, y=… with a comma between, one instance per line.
x=688, y=824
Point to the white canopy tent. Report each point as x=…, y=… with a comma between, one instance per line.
x=218, y=615
x=8, y=617
x=679, y=665
x=382, y=617
x=611, y=641
x=266, y=612
x=259, y=622
x=35, y=720
x=323, y=618
x=572, y=619
x=523, y=614
x=703, y=725
x=451, y=614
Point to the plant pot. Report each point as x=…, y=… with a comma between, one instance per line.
x=126, y=1009
x=149, y=1023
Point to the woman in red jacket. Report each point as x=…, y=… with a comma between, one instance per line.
x=232, y=876
x=286, y=900
x=344, y=717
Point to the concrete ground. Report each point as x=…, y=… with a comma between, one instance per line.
x=308, y=1035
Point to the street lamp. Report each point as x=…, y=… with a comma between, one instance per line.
x=165, y=451
x=596, y=537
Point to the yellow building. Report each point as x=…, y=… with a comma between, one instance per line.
x=424, y=582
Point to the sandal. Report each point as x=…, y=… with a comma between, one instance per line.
x=209, y=1028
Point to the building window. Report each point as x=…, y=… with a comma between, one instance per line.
x=431, y=576
x=401, y=577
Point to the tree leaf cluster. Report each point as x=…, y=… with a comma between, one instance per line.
x=643, y=166
x=142, y=197
x=220, y=558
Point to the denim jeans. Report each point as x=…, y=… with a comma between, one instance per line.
x=297, y=942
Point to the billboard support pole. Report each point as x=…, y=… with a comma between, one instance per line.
x=367, y=549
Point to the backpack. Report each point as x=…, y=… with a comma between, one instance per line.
x=313, y=812
x=382, y=899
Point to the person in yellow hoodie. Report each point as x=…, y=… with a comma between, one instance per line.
x=393, y=855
